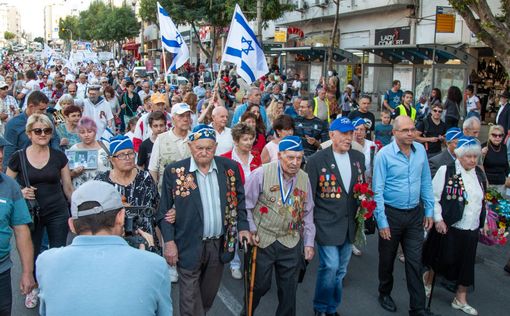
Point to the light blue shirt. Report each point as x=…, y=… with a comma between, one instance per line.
x=240, y=111
x=210, y=197
x=102, y=275
x=400, y=181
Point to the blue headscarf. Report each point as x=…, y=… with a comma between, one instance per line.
x=120, y=142
x=453, y=133
x=202, y=131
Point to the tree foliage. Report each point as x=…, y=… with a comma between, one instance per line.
x=491, y=25
x=100, y=23
x=39, y=40
x=9, y=35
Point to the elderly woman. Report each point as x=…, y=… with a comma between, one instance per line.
x=64, y=101
x=136, y=186
x=495, y=161
x=68, y=132
x=243, y=136
x=87, y=129
x=450, y=249
x=359, y=135
x=282, y=126
x=49, y=187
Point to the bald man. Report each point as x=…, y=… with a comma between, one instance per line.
x=223, y=133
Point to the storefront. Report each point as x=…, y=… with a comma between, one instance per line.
x=132, y=48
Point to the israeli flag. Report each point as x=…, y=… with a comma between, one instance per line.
x=243, y=49
x=172, y=40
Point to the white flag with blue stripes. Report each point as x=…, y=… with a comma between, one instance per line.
x=172, y=40
x=243, y=49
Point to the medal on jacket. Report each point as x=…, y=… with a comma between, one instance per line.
x=284, y=195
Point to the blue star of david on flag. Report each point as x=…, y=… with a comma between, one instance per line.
x=172, y=40
x=249, y=48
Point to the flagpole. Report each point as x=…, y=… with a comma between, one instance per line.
x=163, y=54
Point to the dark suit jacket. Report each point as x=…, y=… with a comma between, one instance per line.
x=334, y=218
x=188, y=227
x=504, y=118
x=443, y=158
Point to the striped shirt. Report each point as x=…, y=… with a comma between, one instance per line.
x=210, y=197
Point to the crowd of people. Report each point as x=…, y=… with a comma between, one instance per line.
x=266, y=164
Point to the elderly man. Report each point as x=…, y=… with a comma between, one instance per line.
x=253, y=98
x=293, y=109
x=204, y=234
x=401, y=180
x=280, y=205
x=333, y=172
x=117, y=279
x=14, y=218
x=8, y=106
x=98, y=109
x=321, y=106
x=471, y=127
x=447, y=156
x=223, y=133
x=81, y=86
x=145, y=91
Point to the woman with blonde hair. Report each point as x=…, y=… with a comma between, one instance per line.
x=495, y=160
x=274, y=110
x=49, y=189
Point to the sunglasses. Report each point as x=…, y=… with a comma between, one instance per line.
x=497, y=135
x=438, y=111
x=40, y=131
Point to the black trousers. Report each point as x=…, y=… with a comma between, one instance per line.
x=57, y=228
x=451, y=122
x=406, y=228
x=286, y=262
x=5, y=293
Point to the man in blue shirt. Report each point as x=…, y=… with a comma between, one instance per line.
x=14, y=217
x=15, y=132
x=293, y=109
x=401, y=181
x=253, y=98
x=99, y=273
x=393, y=97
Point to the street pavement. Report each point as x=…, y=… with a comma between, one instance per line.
x=490, y=296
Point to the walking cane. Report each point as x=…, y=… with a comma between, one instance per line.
x=246, y=274
x=252, y=279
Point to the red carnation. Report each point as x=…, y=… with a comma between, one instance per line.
x=357, y=187
x=364, y=188
x=494, y=233
x=365, y=204
x=368, y=214
x=263, y=210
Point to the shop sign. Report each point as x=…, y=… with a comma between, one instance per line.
x=280, y=35
x=393, y=36
x=445, y=20
x=349, y=73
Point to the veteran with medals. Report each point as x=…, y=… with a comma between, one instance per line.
x=204, y=233
x=333, y=173
x=280, y=212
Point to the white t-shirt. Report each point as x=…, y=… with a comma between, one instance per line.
x=345, y=173
x=225, y=141
x=471, y=104
x=101, y=113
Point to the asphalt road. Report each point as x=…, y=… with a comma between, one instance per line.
x=490, y=296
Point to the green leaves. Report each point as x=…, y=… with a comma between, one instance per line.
x=9, y=35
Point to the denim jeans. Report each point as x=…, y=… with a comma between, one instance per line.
x=332, y=269
x=5, y=293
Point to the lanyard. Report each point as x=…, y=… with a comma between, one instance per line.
x=285, y=196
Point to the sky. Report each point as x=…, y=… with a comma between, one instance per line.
x=32, y=12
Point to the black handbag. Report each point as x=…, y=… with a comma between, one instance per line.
x=370, y=226
x=33, y=205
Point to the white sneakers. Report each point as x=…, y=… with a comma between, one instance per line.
x=32, y=298
x=236, y=273
x=466, y=308
x=356, y=251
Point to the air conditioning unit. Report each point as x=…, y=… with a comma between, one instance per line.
x=302, y=5
x=322, y=3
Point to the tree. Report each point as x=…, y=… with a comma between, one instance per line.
x=119, y=24
x=148, y=11
x=492, y=28
x=39, y=40
x=214, y=13
x=333, y=36
x=68, y=28
x=9, y=35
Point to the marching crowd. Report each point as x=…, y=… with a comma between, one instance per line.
x=222, y=166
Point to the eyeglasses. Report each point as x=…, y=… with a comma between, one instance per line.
x=408, y=130
x=125, y=156
x=438, y=111
x=497, y=135
x=40, y=131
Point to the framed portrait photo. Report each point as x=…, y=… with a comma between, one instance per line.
x=86, y=158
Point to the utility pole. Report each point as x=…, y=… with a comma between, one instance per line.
x=260, y=5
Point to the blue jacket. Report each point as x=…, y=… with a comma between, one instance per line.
x=102, y=275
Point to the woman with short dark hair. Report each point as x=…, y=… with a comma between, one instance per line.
x=68, y=132
x=282, y=126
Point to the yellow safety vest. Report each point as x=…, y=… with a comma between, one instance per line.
x=316, y=107
x=402, y=111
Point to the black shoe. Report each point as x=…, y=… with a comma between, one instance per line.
x=320, y=313
x=507, y=268
x=387, y=303
x=333, y=314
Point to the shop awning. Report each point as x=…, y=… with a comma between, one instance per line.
x=339, y=55
x=130, y=46
x=417, y=54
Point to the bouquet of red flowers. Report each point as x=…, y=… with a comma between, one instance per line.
x=365, y=196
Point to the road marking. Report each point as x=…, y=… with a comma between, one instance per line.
x=229, y=300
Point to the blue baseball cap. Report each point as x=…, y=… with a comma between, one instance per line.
x=342, y=125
